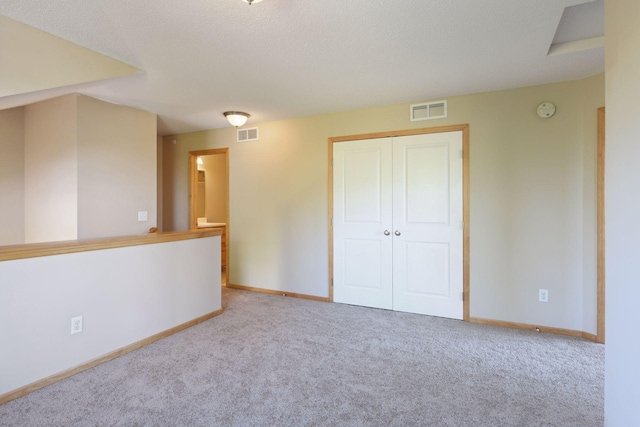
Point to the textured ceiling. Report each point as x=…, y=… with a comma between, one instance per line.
x=279, y=59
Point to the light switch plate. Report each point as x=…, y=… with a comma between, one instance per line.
x=143, y=216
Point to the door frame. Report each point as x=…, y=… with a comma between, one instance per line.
x=465, y=196
x=193, y=192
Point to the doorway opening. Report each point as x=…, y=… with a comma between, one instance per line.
x=209, y=196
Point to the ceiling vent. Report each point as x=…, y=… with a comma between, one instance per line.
x=250, y=134
x=428, y=111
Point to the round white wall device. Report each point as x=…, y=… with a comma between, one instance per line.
x=546, y=110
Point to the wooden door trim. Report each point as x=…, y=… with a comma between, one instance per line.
x=465, y=197
x=600, y=311
x=193, y=186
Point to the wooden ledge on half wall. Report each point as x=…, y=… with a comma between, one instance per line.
x=34, y=250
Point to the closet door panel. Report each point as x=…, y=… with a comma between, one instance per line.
x=362, y=200
x=427, y=224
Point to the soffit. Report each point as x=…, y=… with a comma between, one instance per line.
x=33, y=60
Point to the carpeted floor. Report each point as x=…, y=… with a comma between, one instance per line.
x=276, y=361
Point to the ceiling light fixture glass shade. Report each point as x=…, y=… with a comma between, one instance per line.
x=236, y=118
x=252, y=1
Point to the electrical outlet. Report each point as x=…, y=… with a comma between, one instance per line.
x=76, y=325
x=543, y=295
x=143, y=216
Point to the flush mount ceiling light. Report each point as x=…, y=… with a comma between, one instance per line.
x=236, y=118
x=251, y=1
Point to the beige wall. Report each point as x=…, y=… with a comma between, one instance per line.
x=116, y=169
x=216, y=185
x=532, y=205
x=51, y=170
x=12, y=176
x=171, y=169
x=622, y=376
x=593, y=101
x=89, y=168
x=159, y=182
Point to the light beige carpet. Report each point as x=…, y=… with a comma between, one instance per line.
x=277, y=361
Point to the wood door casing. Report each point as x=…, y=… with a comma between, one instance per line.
x=464, y=128
x=398, y=206
x=193, y=189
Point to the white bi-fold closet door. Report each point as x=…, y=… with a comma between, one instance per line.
x=397, y=223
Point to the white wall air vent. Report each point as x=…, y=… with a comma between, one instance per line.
x=428, y=111
x=250, y=134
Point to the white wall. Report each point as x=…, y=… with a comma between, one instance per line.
x=622, y=376
x=532, y=198
x=117, y=148
x=12, y=176
x=51, y=170
x=124, y=295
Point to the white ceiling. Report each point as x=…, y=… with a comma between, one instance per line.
x=280, y=59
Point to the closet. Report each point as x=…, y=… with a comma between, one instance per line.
x=398, y=223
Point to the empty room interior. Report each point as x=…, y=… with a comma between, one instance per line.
x=270, y=212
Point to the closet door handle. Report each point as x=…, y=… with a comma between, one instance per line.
x=386, y=232
x=397, y=233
